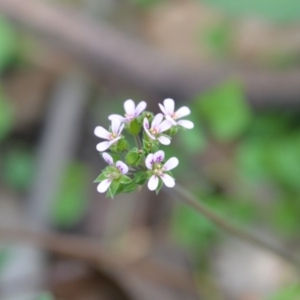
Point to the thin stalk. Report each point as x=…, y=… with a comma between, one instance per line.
x=138, y=142
x=233, y=229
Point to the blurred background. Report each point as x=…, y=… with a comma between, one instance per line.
x=65, y=65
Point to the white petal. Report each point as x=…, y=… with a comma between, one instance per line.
x=171, y=163
x=149, y=161
x=146, y=128
x=162, y=108
x=168, y=180
x=129, y=107
x=103, y=146
x=108, y=158
x=182, y=112
x=169, y=106
x=140, y=107
x=153, y=183
x=120, y=129
x=157, y=120
x=165, y=125
x=104, y=185
x=164, y=140
x=171, y=120
x=114, y=116
x=122, y=167
x=115, y=125
x=158, y=156
x=186, y=124
x=101, y=132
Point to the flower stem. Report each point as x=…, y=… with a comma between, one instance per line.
x=233, y=229
x=138, y=142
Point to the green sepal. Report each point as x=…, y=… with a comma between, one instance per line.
x=134, y=127
x=140, y=177
x=132, y=158
x=149, y=174
x=145, y=114
x=113, y=189
x=122, y=145
x=101, y=177
x=125, y=179
x=173, y=130
x=128, y=188
x=110, y=169
x=160, y=184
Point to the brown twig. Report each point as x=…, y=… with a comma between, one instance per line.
x=110, y=53
x=95, y=253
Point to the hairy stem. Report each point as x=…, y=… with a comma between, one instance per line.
x=233, y=229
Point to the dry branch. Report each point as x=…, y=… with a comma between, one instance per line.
x=109, y=52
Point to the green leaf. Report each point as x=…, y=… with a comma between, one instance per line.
x=140, y=177
x=132, y=158
x=113, y=188
x=125, y=179
x=134, y=127
x=278, y=11
x=70, y=203
x=226, y=111
x=101, y=177
x=8, y=42
x=7, y=115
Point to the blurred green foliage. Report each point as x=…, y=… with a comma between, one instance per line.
x=264, y=158
x=18, y=167
x=287, y=293
x=71, y=201
x=6, y=115
x=45, y=296
x=8, y=42
x=225, y=110
x=4, y=257
x=274, y=10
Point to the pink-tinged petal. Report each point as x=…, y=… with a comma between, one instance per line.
x=114, y=116
x=171, y=120
x=162, y=108
x=169, y=106
x=168, y=180
x=120, y=129
x=101, y=132
x=182, y=112
x=157, y=120
x=149, y=161
x=171, y=164
x=140, y=107
x=122, y=167
x=108, y=158
x=164, y=140
x=129, y=107
x=103, y=146
x=153, y=183
x=165, y=125
x=146, y=128
x=159, y=156
x=104, y=185
x=186, y=124
x=115, y=125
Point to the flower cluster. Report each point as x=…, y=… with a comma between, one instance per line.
x=145, y=162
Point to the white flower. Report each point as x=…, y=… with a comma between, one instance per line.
x=111, y=137
x=168, y=110
x=131, y=111
x=120, y=169
x=157, y=127
x=153, y=163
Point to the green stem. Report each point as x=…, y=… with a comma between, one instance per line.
x=233, y=229
x=138, y=142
